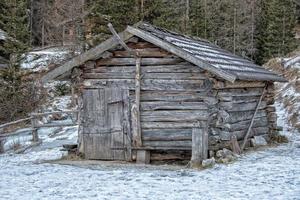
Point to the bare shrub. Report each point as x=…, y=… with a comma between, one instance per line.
x=18, y=97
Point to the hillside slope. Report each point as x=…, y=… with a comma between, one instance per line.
x=288, y=94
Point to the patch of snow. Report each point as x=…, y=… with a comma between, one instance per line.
x=3, y=35
x=40, y=60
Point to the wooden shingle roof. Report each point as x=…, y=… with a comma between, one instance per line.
x=213, y=55
x=202, y=53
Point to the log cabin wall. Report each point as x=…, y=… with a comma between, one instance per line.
x=236, y=105
x=177, y=96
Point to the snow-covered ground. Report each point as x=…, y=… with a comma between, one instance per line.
x=269, y=174
x=272, y=173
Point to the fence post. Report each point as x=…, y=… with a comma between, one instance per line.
x=35, y=136
x=1, y=145
x=1, y=142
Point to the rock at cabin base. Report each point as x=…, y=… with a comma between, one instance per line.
x=225, y=156
x=208, y=162
x=258, y=141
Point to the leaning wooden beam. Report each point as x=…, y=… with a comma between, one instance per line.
x=91, y=54
x=252, y=120
x=119, y=40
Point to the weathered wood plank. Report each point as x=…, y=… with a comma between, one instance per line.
x=91, y=54
x=167, y=134
x=164, y=105
x=144, y=61
x=239, y=84
x=147, y=52
x=241, y=92
x=173, y=96
x=198, y=146
x=151, y=84
x=183, y=143
x=181, y=68
x=126, y=75
x=179, y=125
x=174, y=115
x=143, y=157
x=243, y=125
x=230, y=106
x=141, y=45
x=246, y=115
x=136, y=116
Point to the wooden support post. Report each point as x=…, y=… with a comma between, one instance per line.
x=199, y=147
x=73, y=101
x=143, y=157
x=252, y=120
x=1, y=145
x=235, y=147
x=35, y=136
x=1, y=141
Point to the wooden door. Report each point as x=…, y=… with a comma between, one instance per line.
x=106, y=127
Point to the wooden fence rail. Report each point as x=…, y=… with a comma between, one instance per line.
x=34, y=125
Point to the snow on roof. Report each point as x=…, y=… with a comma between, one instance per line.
x=213, y=55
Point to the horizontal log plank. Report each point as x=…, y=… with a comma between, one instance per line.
x=180, y=68
x=239, y=84
x=144, y=61
x=241, y=92
x=246, y=115
x=164, y=105
x=147, y=52
x=140, y=45
x=131, y=75
x=240, y=134
x=166, y=134
x=230, y=106
x=243, y=125
x=150, y=84
x=170, y=156
x=182, y=124
x=183, y=143
x=174, y=115
x=191, y=96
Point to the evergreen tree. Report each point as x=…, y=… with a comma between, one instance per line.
x=14, y=20
x=276, y=29
x=119, y=13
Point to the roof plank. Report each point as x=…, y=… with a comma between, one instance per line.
x=91, y=54
x=181, y=53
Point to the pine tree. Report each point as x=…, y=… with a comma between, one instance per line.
x=119, y=13
x=14, y=20
x=276, y=29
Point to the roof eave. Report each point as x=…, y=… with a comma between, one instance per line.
x=91, y=54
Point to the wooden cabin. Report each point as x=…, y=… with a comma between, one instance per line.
x=178, y=97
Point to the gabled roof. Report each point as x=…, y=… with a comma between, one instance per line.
x=202, y=53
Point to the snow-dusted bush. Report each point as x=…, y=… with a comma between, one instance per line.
x=18, y=97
